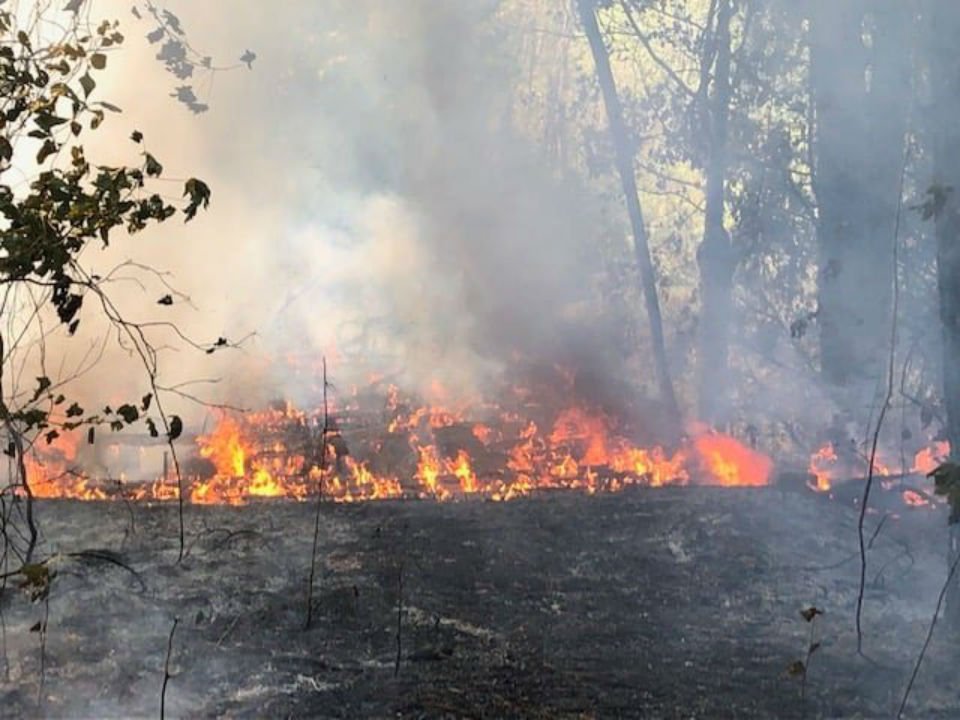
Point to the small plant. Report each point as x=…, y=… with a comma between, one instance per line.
x=801, y=668
x=946, y=482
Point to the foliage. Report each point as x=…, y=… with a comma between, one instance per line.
x=946, y=482
x=801, y=668
x=48, y=101
x=177, y=55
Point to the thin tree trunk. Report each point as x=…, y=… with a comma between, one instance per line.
x=945, y=80
x=715, y=256
x=624, y=155
x=838, y=64
x=860, y=93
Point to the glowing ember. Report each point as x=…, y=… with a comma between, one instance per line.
x=914, y=499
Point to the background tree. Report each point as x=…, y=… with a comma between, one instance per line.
x=624, y=159
x=859, y=75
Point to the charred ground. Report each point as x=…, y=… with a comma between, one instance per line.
x=671, y=602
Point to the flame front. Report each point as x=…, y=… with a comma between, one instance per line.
x=827, y=468
x=507, y=454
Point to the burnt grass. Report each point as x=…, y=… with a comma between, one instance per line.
x=665, y=603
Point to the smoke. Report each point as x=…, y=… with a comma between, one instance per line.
x=371, y=201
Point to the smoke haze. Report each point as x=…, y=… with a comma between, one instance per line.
x=365, y=198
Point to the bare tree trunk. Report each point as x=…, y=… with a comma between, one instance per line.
x=715, y=255
x=860, y=94
x=624, y=155
x=945, y=80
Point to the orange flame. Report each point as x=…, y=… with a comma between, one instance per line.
x=822, y=467
x=583, y=450
x=731, y=464
x=930, y=458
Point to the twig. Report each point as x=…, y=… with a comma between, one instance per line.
x=3, y=638
x=811, y=648
x=176, y=466
x=132, y=530
x=226, y=632
x=645, y=41
x=316, y=523
x=235, y=534
x=166, y=670
x=876, y=530
x=926, y=642
x=396, y=666
x=43, y=648
x=891, y=359
x=112, y=558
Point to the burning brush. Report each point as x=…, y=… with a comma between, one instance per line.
x=384, y=444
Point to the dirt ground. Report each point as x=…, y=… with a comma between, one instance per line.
x=652, y=603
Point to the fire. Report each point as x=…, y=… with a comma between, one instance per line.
x=464, y=473
x=575, y=425
x=930, y=458
x=54, y=473
x=240, y=471
x=826, y=467
x=225, y=449
x=731, y=464
x=429, y=469
x=433, y=451
x=915, y=499
x=822, y=466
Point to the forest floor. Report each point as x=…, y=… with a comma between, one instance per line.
x=652, y=603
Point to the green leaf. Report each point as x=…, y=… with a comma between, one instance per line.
x=43, y=383
x=176, y=427
x=199, y=193
x=946, y=480
x=129, y=413
x=48, y=148
x=88, y=84
x=151, y=166
x=46, y=121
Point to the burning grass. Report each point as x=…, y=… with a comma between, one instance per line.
x=381, y=445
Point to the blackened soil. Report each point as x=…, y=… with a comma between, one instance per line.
x=666, y=603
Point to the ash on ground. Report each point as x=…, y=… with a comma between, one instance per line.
x=653, y=603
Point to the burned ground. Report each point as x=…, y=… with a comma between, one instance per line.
x=659, y=603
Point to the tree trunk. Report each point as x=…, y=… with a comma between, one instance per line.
x=860, y=98
x=624, y=156
x=715, y=256
x=945, y=132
